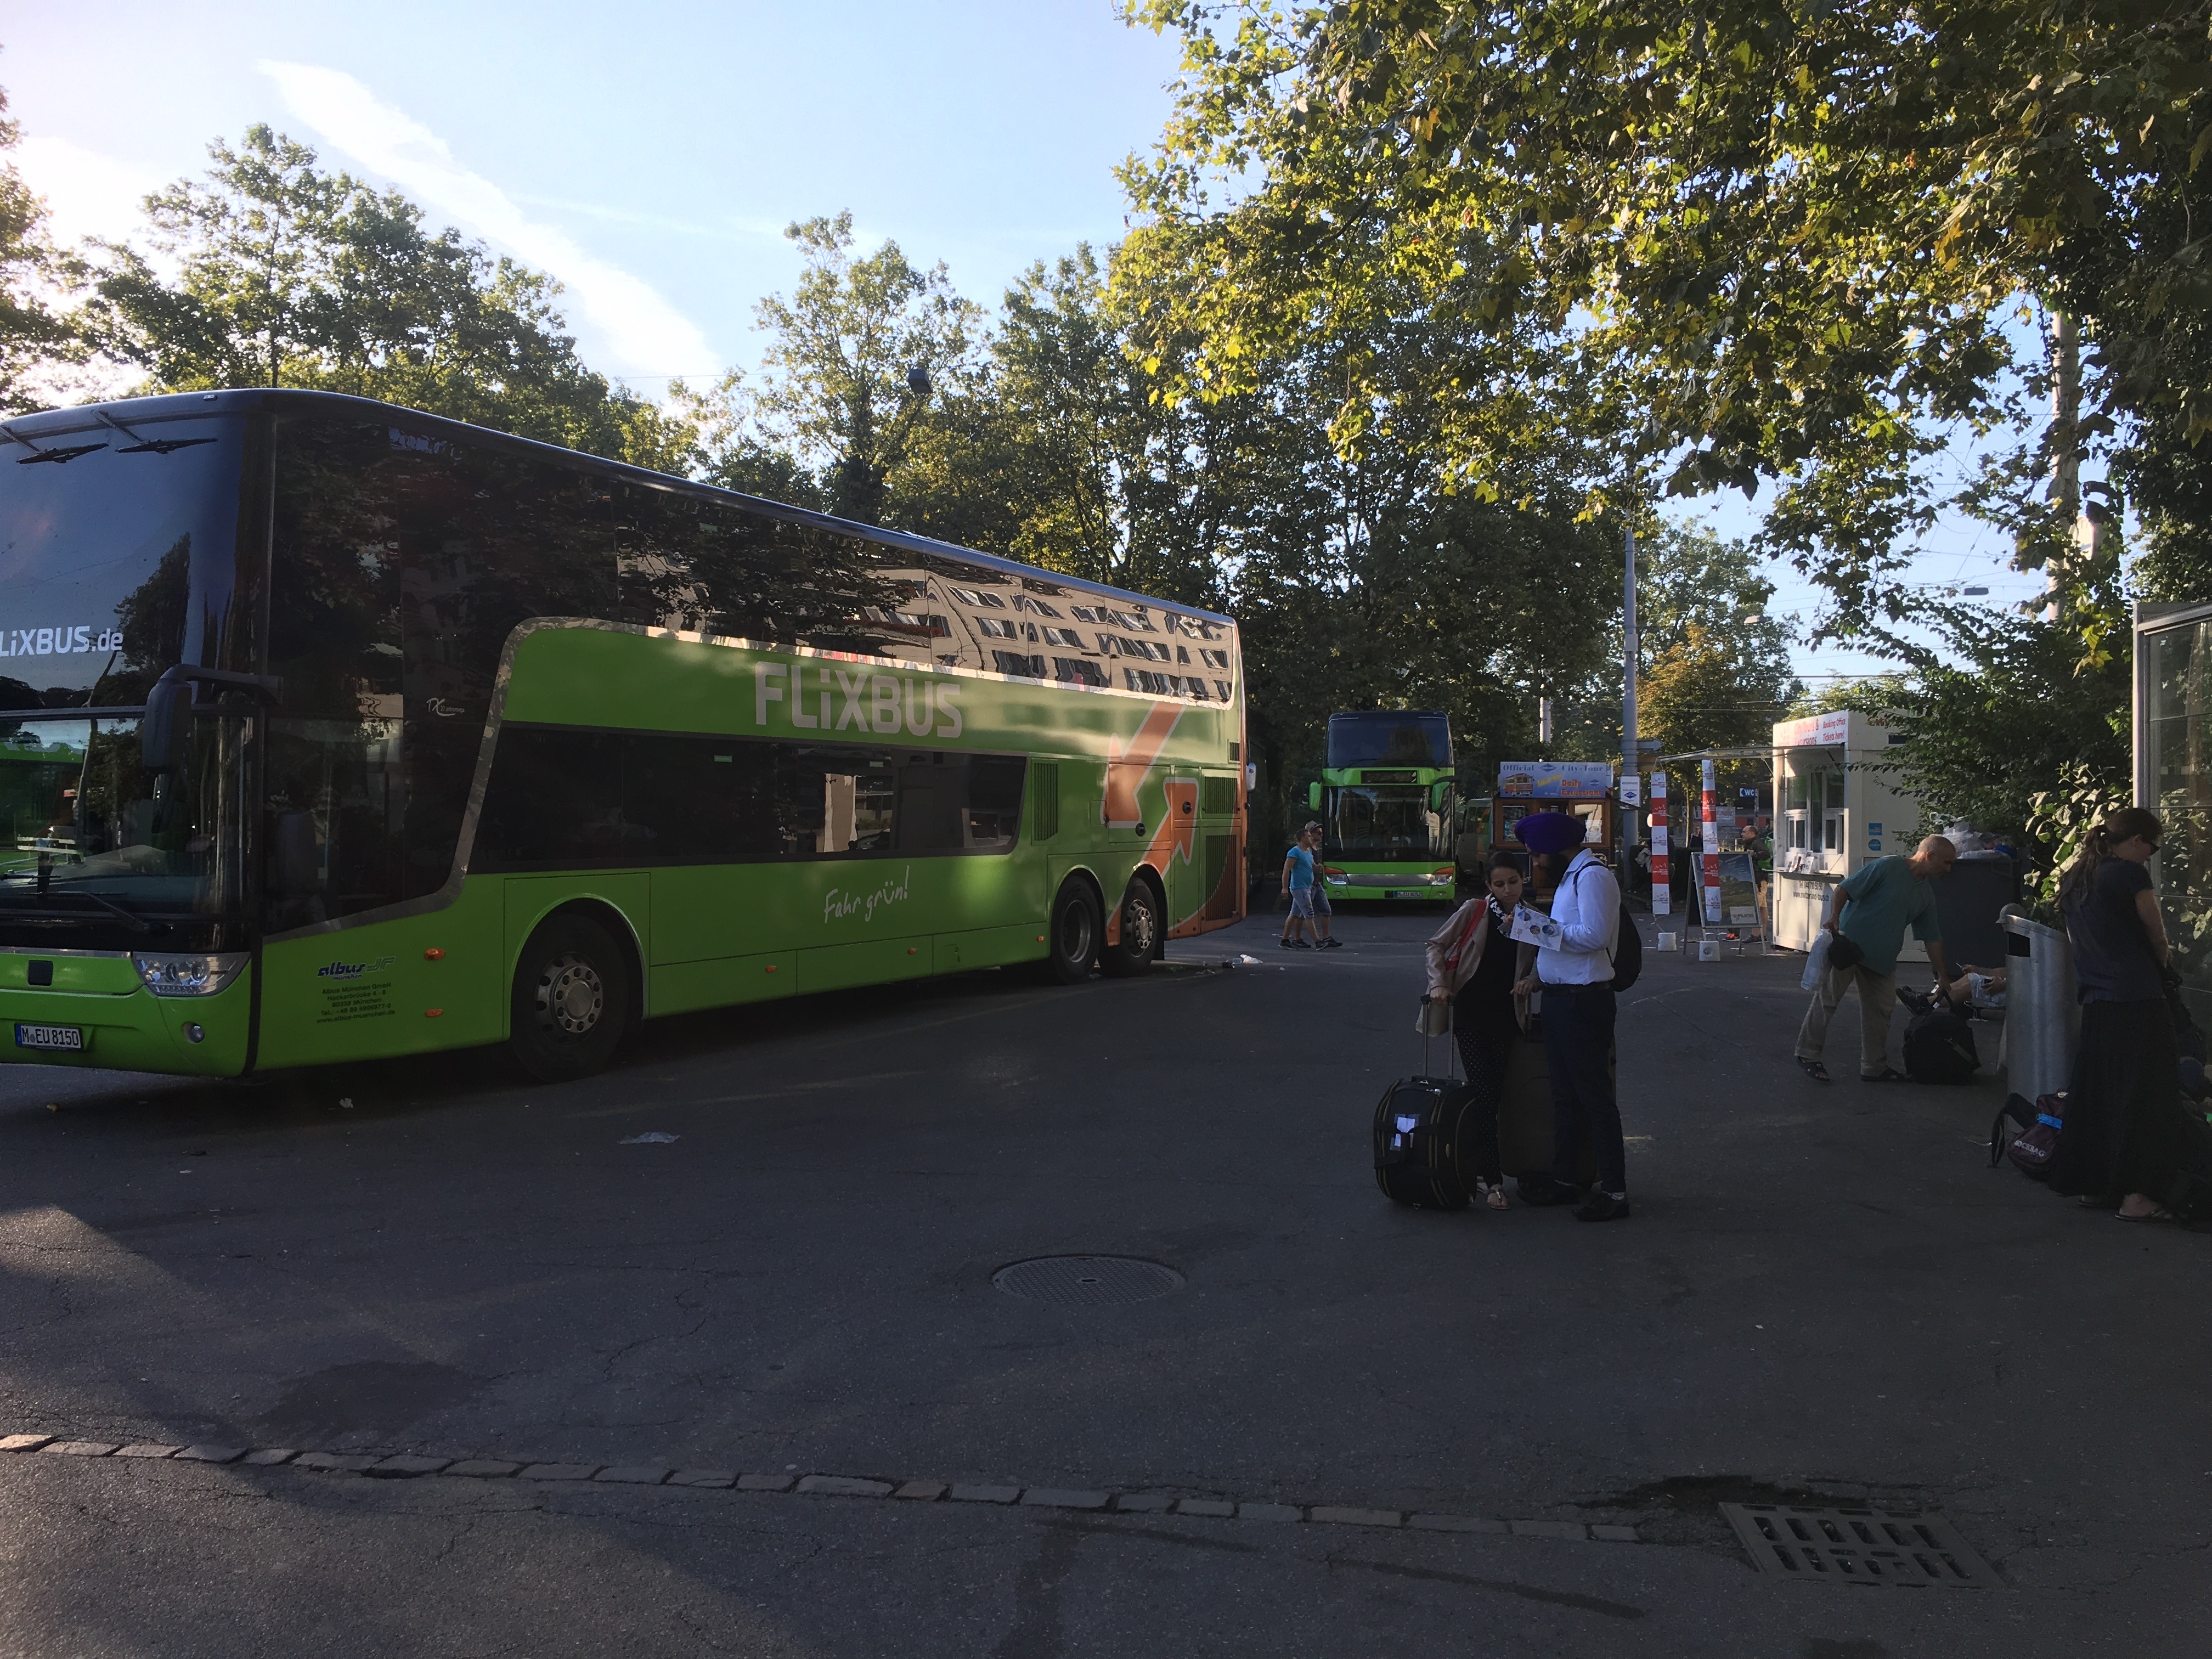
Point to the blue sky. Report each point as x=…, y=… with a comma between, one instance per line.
x=649, y=155
x=668, y=143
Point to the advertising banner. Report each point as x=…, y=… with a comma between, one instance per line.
x=1556, y=779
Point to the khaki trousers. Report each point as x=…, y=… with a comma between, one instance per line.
x=1877, y=1000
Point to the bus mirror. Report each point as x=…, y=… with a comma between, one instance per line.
x=292, y=861
x=161, y=733
x=1313, y=796
x=1439, y=795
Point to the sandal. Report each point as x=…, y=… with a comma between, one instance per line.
x=1814, y=1069
x=1494, y=1196
x=2156, y=1212
x=1887, y=1074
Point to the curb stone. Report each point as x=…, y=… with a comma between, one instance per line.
x=832, y=1485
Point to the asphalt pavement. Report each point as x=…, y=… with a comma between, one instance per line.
x=1340, y=1429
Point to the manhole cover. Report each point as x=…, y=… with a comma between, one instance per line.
x=1086, y=1281
x=1857, y=1547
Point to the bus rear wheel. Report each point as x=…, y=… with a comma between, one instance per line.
x=1143, y=925
x=572, y=999
x=1072, y=935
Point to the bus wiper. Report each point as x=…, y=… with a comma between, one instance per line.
x=37, y=454
x=139, y=445
x=138, y=923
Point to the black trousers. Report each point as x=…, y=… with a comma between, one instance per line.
x=1578, y=1043
x=1487, y=1031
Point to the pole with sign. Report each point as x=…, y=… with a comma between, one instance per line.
x=1711, y=860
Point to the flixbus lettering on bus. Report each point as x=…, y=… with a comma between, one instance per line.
x=544, y=745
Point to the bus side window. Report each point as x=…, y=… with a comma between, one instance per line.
x=560, y=798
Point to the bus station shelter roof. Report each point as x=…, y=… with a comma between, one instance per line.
x=1763, y=752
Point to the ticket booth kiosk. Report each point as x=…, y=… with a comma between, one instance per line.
x=1584, y=788
x=1835, y=809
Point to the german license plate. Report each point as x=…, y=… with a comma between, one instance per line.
x=1407, y=892
x=69, y=1039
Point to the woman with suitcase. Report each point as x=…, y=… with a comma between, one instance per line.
x=1473, y=963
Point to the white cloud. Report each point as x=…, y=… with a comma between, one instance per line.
x=87, y=194
x=641, y=333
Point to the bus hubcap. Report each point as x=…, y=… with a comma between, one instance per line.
x=1137, y=925
x=571, y=996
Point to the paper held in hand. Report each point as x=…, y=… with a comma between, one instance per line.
x=1533, y=926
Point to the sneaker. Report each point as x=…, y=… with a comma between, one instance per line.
x=1332, y=944
x=1604, y=1206
x=1918, y=1001
x=1297, y=945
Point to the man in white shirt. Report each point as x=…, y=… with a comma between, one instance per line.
x=1576, y=977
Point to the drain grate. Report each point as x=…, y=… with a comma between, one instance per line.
x=1857, y=1547
x=1086, y=1281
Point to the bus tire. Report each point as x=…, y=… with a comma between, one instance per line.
x=1144, y=926
x=572, y=999
x=1072, y=934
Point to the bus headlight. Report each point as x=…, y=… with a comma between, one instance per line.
x=189, y=976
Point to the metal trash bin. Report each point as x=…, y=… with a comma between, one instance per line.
x=2042, y=1014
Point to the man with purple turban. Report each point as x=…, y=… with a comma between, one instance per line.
x=1575, y=976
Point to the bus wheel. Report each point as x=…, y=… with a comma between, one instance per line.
x=1073, y=936
x=1142, y=926
x=572, y=999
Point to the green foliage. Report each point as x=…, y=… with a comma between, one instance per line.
x=2006, y=735
x=286, y=275
x=1777, y=243
x=855, y=359
x=37, y=340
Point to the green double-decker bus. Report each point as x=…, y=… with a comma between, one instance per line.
x=331, y=731
x=1387, y=801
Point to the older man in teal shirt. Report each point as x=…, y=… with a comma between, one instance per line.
x=1877, y=903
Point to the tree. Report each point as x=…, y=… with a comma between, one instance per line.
x=2000, y=731
x=286, y=275
x=1693, y=696
x=1783, y=240
x=854, y=358
x=36, y=337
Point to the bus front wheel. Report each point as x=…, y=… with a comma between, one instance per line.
x=572, y=999
x=1142, y=925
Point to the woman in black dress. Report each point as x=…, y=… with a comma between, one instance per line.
x=1473, y=961
x=2120, y=1145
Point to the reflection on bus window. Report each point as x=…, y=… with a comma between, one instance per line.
x=564, y=799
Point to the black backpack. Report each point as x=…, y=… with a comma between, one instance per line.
x=1939, y=1047
x=1627, y=951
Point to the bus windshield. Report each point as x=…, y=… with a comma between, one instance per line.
x=1389, y=737
x=1384, y=821
x=100, y=533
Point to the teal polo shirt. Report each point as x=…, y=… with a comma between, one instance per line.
x=1883, y=898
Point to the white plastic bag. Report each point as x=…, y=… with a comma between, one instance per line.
x=1816, y=962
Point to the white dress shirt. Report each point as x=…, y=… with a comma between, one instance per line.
x=1587, y=906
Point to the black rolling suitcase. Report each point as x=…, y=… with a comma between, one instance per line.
x=1417, y=1142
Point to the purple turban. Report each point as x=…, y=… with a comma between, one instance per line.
x=1551, y=832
